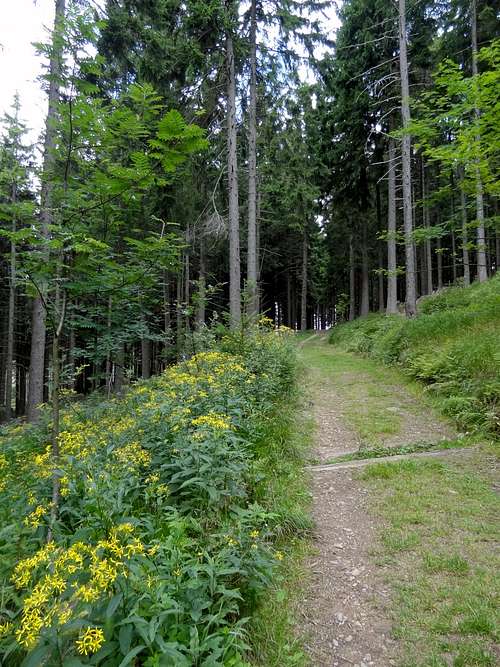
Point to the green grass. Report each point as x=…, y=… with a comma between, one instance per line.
x=452, y=347
x=415, y=448
x=370, y=398
x=438, y=549
x=284, y=493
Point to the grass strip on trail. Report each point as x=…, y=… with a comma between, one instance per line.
x=415, y=448
x=285, y=493
x=439, y=550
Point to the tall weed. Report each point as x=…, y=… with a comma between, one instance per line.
x=162, y=544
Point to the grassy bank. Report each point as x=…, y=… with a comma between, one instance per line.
x=452, y=347
x=173, y=518
x=285, y=493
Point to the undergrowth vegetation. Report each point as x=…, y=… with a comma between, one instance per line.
x=453, y=346
x=171, y=518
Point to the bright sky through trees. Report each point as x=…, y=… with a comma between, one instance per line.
x=24, y=22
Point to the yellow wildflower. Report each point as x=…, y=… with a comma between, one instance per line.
x=90, y=641
x=132, y=454
x=5, y=628
x=86, y=593
x=34, y=519
x=152, y=551
x=212, y=420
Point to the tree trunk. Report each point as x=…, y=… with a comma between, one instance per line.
x=179, y=316
x=497, y=250
x=20, y=389
x=482, y=273
x=109, y=366
x=252, y=282
x=288, y=299
x=303, y=294
x=439, y=255
x=232, y=170
x=187, y=285
x=71, y=358
x=380, y=254
x=60, y=313
x=427, y=242
x=202, y=288
x=257, y=248
x=352, y=281
x=465, y=249
x=38, y=324
x=166, y=303
x=145, y=358
x=365, y=275
x=381, y=299
x=410, y=302
x=392, y=277
x=11, y=318
x=119, y=369
x=454, y=256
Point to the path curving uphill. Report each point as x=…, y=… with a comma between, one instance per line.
x=356, y=405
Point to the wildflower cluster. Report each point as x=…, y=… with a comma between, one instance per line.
x=66, y=579
x=156, y=513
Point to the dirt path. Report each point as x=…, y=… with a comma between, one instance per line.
x=346, y=613
x=357, y=405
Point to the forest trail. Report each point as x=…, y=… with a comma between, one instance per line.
x=355, y=404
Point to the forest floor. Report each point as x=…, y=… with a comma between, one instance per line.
x=403, y=567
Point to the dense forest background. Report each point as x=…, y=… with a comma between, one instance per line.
x=206, y=162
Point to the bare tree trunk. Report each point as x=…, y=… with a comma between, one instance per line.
x=60, y=313
x=257, y=248
x=428, y=242
x=454, y=256
x=380, y=254
x=365, y=276
x=71, y=357
x=20, y=389
x=352, y=281
x=179, y=316
x=497, y=250
x=166, y=303
x=145, y=358
x=392, y=278
x=202, y=298
x=187, y=284
x=303, y=294
x=109, y=367
x=119, y=369
x=482, y=273
x=38, y=325
x=381, y=300
x=11, y=318
x=465, y=249
x=439, y=255
x=288, y=299
x=232, y=169
x=252, y=285
x=410, y=303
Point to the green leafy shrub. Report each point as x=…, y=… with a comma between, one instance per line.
x=452, y=347
x=160, y=548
